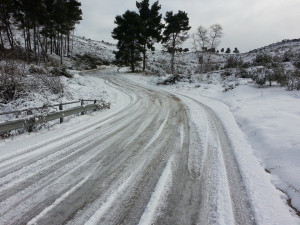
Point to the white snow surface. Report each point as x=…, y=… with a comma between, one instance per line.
x=263, y=127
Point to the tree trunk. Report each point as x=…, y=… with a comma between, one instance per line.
x=51, y=45
x=61, y=49
x=144, y=58
x=132, y=59
x=2, y=43
x=11, y=43
x=68, y=38
x=34, y=44
x=173, y=55
x=11, y=34
x=72, y=42
x=26, y=46
x=39, y=44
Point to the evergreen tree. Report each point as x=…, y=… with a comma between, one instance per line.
x=6, y=9
x=236, y=51
x=175, y=33
x=228, y=50
x=129, y=35
x=74, y=15
x=222, y=50
x=152, y=26
x=41, y=20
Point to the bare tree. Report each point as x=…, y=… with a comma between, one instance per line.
x=207, y=40
x=201, y=37
x=215, y=35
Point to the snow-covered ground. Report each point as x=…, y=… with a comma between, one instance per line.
x=245, y=108
x=76, y=88
x=270, y=121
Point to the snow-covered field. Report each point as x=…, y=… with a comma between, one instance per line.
x=269, y=119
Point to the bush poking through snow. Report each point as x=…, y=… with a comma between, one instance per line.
x=233, y=62
x=11, y=77
x=36, y=70
x=173, y=79
x=262, y=60
x=293, y=80
x=89, y=61
x=42, y=83
x=60, y=71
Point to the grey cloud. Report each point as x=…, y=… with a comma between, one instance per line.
x=247, y=24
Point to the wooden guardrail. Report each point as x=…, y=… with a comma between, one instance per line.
x=28, y=123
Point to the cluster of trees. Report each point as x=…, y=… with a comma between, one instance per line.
x=270, y=69
x=137, y=32
x=46, y=25
x=228, y=50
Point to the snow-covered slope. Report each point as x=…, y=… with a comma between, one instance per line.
x=101, y=49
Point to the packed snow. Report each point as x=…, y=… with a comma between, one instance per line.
x=263, y=126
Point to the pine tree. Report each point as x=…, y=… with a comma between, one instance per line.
x=129, y=34
x=6, y=9
x=74, y=15
x=40, y=20
x=228, y=50
x=175, y=33
x=236, y=51
x=152, y=26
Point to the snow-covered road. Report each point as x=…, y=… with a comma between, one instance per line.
x=145, y=162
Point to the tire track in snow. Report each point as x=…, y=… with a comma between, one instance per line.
x=112, y=172
x=232, y=196
x=158, y=198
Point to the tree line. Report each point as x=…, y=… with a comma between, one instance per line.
x=46, y=25
x=137, y=32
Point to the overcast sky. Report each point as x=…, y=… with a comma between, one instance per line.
x=247, y=24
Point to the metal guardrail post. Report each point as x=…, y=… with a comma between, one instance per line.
x=30, y=121
x=82, y=104
x=95, y=102
x=34, y=119
x=61, y=119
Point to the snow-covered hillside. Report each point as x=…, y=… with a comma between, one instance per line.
x=30, y=85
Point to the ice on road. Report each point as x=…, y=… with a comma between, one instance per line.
x=144, y=162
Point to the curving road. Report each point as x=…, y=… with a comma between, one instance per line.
x=145, y=164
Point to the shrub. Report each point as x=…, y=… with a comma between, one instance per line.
x=243, y=73
x=296, y=61
x=173, y=79
x=293, y=80
x=60, y=71
x=43, y=83
x=260, y=76
x=89, y=61
x=263, y=60
x=226, y=73
x=36, y=70
x=287, y=56
x=11, y=76
x=233, y=62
